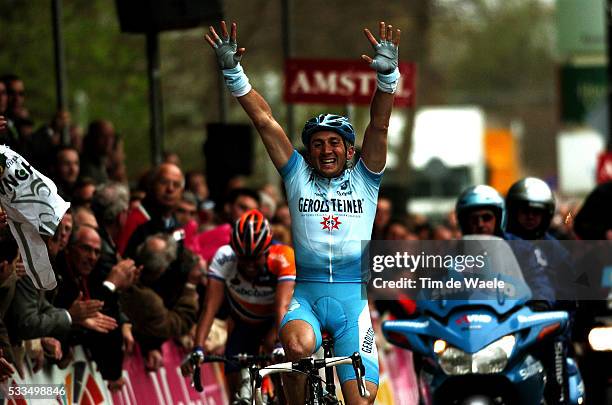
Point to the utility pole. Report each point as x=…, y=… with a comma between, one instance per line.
x=287, y=54
x=155, y=102
x=60, y=66
x=609, y=54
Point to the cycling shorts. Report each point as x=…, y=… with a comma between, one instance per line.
x=342, y=310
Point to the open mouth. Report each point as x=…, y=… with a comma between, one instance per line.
x=328, y=162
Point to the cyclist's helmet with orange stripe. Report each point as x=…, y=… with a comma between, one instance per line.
x=252, y=235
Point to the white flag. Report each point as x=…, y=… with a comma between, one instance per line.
x=33, y=208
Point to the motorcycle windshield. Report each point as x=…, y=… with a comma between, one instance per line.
x=495, y=280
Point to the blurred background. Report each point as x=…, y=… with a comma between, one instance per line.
x=501, y=89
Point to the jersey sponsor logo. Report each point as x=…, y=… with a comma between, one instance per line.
x=330, y=223
x=332, y=205
x=221, y=261
x=368, y=341
x=247, y=292
x=344, y=189
x=263, y=279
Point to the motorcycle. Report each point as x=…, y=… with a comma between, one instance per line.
x=479, y=347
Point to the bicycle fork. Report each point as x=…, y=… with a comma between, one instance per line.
x=245, y=391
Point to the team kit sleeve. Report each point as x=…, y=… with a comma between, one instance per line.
x=371, y=180
x=222, y=263
x=283, y=262
x=294, y=172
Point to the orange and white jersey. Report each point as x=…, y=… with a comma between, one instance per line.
x=253, y=300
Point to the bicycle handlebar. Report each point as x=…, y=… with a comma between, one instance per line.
x=196, y=360
x=308, y=365
x=237, y=358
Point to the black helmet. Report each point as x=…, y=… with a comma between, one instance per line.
x=530, y=192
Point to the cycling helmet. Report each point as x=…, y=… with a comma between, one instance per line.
x=530, y=192
x=251, y=235
x=328, y=122
x=479, y=197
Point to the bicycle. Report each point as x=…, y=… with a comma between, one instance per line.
x=318, y=391
x=247, y=363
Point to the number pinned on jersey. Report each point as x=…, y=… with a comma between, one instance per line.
x=330, y=223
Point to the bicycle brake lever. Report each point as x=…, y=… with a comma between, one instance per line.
x=359, y=369
x=197, y=380
x=195, y=359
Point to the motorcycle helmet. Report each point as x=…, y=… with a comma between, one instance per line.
x=530, y=192
x=480, y=197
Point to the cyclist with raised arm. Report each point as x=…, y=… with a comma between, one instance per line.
x=257, y=278
x=332, y=208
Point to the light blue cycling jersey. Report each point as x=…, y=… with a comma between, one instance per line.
x=329, y=219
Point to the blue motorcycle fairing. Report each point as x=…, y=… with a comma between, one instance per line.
x=473, y=329
x=442, y=308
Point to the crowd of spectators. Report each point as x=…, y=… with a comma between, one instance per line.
x=130, y=262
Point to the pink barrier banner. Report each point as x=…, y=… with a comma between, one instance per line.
x=401, y=374
x=82, y=384
x=167, y=386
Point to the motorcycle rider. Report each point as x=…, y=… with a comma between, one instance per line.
x=531, y=206
x=481, y=210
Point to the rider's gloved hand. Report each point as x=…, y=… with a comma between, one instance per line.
x=278, y=352
x=197, y=355
x=226, y=50
x=228, y=57
x=193, y=359
x=386, y=58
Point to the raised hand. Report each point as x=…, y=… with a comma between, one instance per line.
x=123, y=274
x=2, y=123
x=83, y=309
x=226, y=48
x=100, y=323
x=386, y=56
